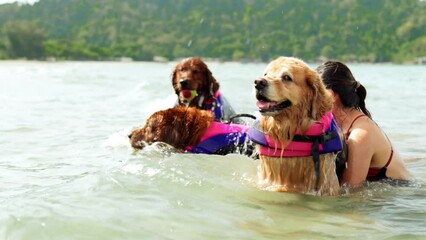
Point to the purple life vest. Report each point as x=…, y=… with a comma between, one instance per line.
x=220, y=136
x=218, y=106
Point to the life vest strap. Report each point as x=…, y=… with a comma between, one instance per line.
x=316, y=141
x=322, y=138
x=238, y=116
x=316, y=159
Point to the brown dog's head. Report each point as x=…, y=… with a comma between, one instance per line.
x=178, y=127
x=193, y=82
x=290, y=95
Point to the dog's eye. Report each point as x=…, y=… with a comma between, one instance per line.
x=287, y=78
x=195, y=71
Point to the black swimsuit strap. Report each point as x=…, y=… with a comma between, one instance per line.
x=391, y=155
x=390, y=158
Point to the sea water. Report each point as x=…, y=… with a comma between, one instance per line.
x=67, y=170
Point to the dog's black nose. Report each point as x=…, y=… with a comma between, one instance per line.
x=260, y=83
x=184, y=83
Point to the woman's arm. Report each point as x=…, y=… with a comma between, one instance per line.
x=360, y=153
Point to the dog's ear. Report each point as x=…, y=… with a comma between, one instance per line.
x=174, y=80
x=321, y=101
x=212, y=85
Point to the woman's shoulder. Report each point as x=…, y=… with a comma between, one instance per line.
x=364, y=130
x=363, y=127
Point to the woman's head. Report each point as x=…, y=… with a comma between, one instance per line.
x=337, y=77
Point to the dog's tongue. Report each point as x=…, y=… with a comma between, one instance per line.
x=265, y=105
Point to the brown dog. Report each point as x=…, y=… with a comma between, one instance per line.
x=193, y=130
x=292, y=100
x=195, y=86
x=178, y=127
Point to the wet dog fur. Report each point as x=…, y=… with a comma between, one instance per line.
x=178, y=127
x=291, y=97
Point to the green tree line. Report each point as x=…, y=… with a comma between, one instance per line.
x=250, y=30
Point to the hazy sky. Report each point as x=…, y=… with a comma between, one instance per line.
x=22, y=1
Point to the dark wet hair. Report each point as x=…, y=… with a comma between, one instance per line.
x=337, y=77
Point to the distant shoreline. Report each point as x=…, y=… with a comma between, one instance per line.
x=206, y=59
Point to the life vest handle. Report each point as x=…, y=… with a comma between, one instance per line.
x=238, y=116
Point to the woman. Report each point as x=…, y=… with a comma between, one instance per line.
x=370, y=154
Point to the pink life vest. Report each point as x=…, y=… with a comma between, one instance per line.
x=325, y=131
x=322, y=137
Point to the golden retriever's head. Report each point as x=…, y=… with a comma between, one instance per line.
x=193, y=82
x=290, y=91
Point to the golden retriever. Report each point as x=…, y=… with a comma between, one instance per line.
x=195, y=86
x=291, y=99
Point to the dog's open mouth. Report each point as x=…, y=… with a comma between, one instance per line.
x=267, y=106
x=187, y=95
